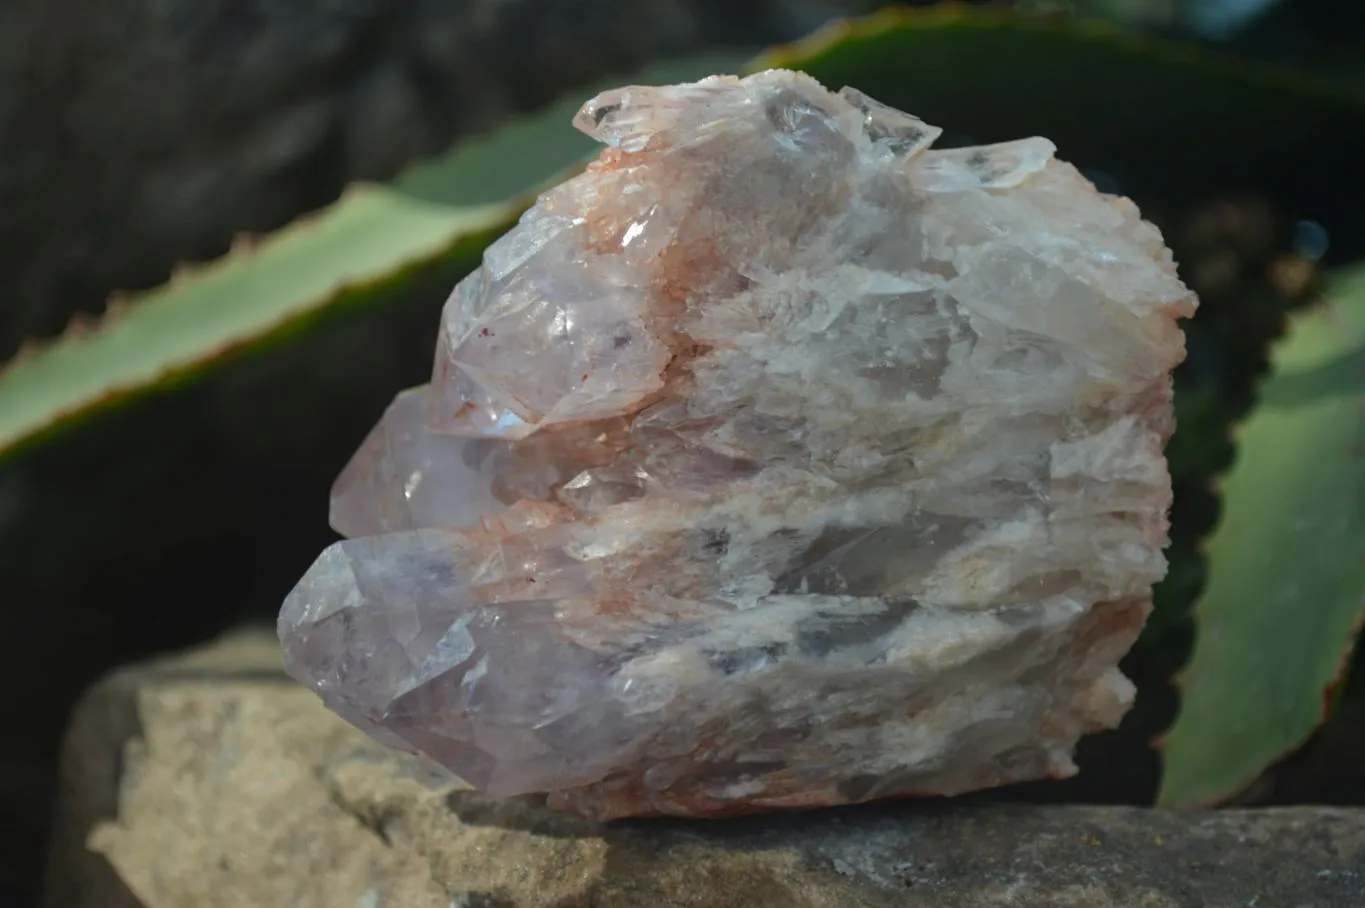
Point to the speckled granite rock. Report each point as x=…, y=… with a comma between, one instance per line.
x=208, y=780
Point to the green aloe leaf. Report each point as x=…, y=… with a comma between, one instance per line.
x=1286, y=590
x=1159, y=115
x=1155, y=115
x=360, y=251
x=352, y=253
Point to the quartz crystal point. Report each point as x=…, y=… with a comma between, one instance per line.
x=777, y=460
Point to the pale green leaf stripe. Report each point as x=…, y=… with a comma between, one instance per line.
x=233, y=301
x=372, y=233
x=1286, y=591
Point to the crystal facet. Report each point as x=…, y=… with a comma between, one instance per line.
x=777, y=460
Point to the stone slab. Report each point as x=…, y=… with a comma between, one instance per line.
x=210, y=780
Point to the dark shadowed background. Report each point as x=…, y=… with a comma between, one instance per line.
x=136, y=134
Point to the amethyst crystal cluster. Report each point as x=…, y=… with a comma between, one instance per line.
x=777, y=460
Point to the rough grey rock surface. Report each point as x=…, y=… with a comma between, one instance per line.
x=137, y=134
x=209, y=780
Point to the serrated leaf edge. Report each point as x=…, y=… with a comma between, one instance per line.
x=954, y=12
x=1182, y=678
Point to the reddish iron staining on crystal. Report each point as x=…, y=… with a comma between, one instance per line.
x=777, y=460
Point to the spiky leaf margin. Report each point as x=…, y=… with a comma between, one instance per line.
x=359, y=251
x=1286, y=591
x=990, y=73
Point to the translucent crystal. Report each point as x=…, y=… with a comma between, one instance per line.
x=534, y=298
x=404, y=476
x=777, y=460
x=987, y=166
x=898, y=132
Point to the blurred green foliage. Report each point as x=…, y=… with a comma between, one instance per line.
x=1286, y=590
x=362, y=251
x=1241, y=166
